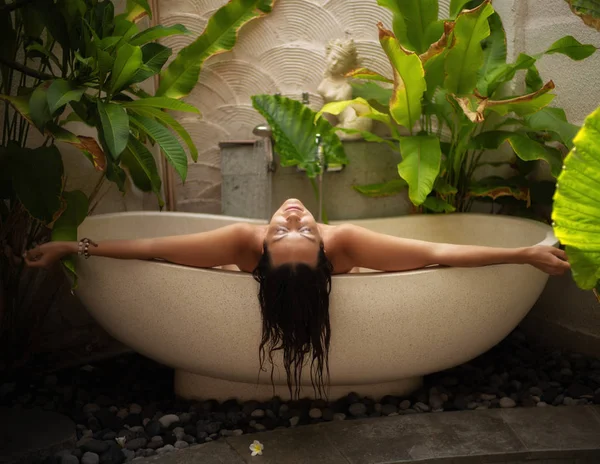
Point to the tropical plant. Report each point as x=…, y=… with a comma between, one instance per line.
x=576, y=211
x=65, y=61
x=446, y=105
x=297, y=136
x=587, y=10
x=576, y=207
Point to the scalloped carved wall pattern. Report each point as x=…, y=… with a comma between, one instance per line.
x=282, y=52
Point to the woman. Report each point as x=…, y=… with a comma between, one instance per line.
x=293, y=258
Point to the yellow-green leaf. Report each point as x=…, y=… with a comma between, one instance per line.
x=576, y=210
x=360, y=106
x=367, y=74
x=420, y=166
x=409, y=80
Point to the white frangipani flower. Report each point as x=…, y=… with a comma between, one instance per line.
x=256, y=448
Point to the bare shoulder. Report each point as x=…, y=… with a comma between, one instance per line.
x=339, y=235
x=335, y=240
x=250, y=240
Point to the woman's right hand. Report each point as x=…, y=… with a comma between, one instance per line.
x=47, y=254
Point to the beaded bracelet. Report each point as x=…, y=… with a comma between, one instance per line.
x=84, y=246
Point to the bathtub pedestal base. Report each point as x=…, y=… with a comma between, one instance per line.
x=199, y=387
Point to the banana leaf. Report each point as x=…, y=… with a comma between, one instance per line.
x=220, y=35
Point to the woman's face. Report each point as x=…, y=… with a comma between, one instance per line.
x=293, y=235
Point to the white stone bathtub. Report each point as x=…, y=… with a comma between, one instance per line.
x=388, y=329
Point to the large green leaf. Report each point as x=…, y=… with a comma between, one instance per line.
x=157, y=32
x=65, y=227
x=370, y=91
x=154, y=57
x=38, y=106
x=498, y=75
x=385, y=189
x=524, y=147
x=409, y=80
x=115, y=127
x=571, y=47
x=398, y=23
x=37, y=177
x=418, y=15
x=553, y=120
x=295, y=127
x=533, y=80
x=127, y=63
x=19, y=103
x=437, y=205
x=142, y=168
x=494, y=52
x=169, y=121
x=115, y=174
x=62, y=92
x=220, y=35
x=435, y=74
x=465, y=57
x=420, y=166
x=576, y=212
x=588, y=11
x=161, y=103
x=168, y=142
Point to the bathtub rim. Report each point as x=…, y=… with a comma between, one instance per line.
x=549, y=240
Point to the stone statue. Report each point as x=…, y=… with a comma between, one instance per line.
x=342, y=57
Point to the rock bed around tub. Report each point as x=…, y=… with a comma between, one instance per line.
x=125, y=408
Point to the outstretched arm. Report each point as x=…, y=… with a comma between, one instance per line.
x=372, y=250
x=227, y=245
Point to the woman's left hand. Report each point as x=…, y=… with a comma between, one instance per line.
x=549, y=259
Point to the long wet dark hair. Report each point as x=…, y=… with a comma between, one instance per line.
x=294, y=301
